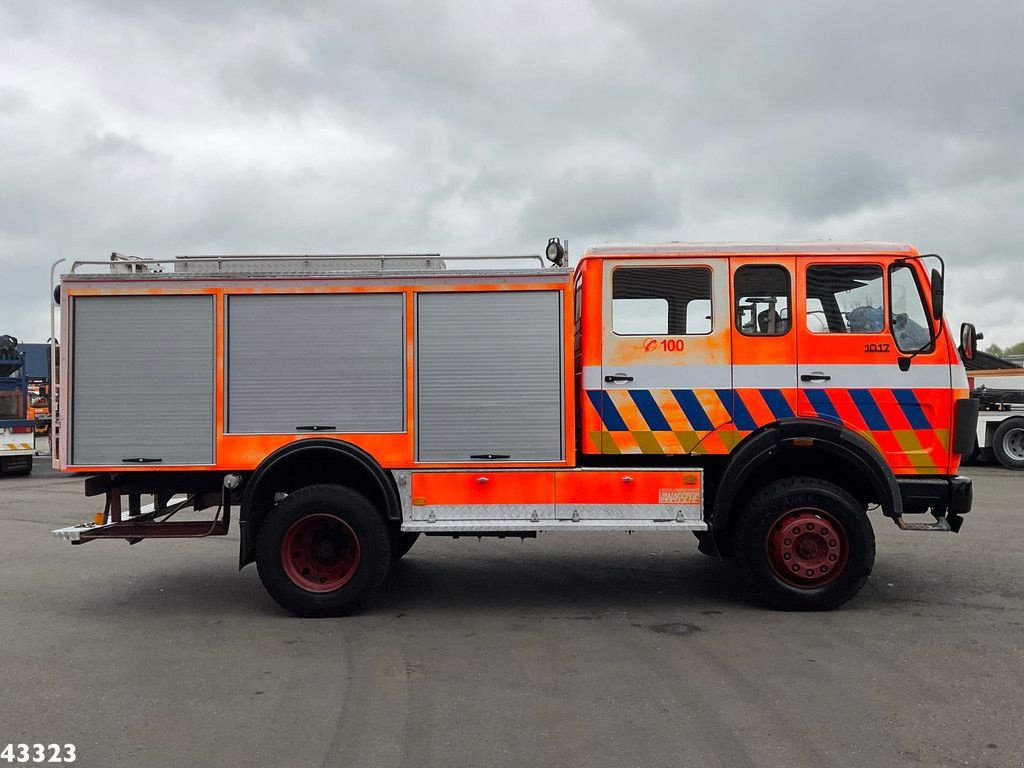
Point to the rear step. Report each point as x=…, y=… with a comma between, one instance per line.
x=943, y=524
x=143, y=525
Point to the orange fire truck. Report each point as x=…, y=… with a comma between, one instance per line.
x=760, y=396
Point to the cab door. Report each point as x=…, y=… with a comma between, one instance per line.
x=763, y=340
x=666, y=378
x=860, y=316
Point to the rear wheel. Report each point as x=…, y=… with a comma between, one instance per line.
x=1008, y=443
x=19, y=465
x=803, y=544
x=323, y=551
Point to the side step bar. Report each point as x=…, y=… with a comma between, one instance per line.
x=143, y=525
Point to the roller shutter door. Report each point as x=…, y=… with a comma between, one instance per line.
x=327, y=360
x=142, y=379
x=489, y=376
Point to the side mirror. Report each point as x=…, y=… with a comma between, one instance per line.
x=968, y=341
x=938, y=291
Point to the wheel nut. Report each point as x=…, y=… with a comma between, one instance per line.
x=824, y=569
x=796, y=569
x=786, y=556
x=810, y=572
x=832, y=542
x=787, y=542
x=832, y=558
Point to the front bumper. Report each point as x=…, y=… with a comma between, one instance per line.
x=944, y=497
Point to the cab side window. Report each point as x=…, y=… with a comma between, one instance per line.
x=660, y=301
x=845, y=298
x=762, y=300
x=910, y=325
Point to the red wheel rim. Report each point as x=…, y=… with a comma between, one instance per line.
x=807, y=548
x=320, y=553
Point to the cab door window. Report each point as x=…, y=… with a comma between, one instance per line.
x=910, y=326
x=661, y=301
x=845, y=298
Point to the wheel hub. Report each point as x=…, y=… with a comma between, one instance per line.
x=1014, y=443
x=320, y=553
x=807, y=548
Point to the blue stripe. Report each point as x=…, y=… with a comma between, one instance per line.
x=649, y=409
x=777, y=402
x=737, y=409
x=609, y=413
x=869, y=410
x=818, y=398
x=693, y=410
x=911, y=408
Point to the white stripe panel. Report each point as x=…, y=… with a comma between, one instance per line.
x=959, y=378
x=920, y=376
x=764, y=376
x=694, y=376
x=879, y=375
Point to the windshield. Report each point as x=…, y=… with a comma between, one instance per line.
x=10, y=405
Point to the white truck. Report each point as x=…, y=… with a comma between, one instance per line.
x=1000, y=393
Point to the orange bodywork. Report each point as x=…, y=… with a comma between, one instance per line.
x=559, y=487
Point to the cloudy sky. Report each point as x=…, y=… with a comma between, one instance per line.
x=198, y=126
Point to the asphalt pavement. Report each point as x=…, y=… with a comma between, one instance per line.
x=567, y=650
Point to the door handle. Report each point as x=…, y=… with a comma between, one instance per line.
x=816, y=376
x=617, y=377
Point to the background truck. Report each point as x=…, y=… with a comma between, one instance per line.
x=17, y=431
x=759, y=396
x=1000, y=394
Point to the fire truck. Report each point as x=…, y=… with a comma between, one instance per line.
x=760, y=396
x=17, y=431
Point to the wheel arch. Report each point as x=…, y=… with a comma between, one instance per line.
x=310, y=462
x=804, y=447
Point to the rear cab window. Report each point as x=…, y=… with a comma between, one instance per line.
x=660, y=301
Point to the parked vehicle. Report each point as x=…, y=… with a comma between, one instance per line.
x=1000, y=394
x=39, y=408
x=17, y=431
x=759, y=396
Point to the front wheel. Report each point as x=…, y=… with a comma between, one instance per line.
x=323, y=551
x=803, y=544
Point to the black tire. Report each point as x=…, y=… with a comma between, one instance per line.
x=819, y=526
x=22, y=466
x=401, y=543
x=358, y=549
x=1008, y=443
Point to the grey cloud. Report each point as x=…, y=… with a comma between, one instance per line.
x=158, y=128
